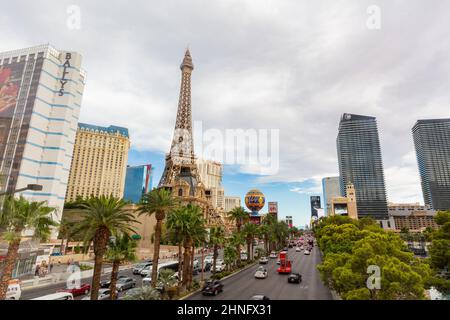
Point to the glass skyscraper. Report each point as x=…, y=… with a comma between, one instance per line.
x=139, y=181
x=360, y=163
x=432, y=142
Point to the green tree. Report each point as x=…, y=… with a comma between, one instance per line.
x=122, y=250
x=237, y=240
x=145, y=293
x=239, y=216
x=16, y=216
x=216, y=240
x=101, y=218
x=229, y=255
x=250, y=230
x=166, y=281
x=159, y=202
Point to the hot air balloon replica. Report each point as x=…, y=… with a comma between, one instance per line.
x=255, y=201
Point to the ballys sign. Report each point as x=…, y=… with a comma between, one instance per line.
x=64, y=78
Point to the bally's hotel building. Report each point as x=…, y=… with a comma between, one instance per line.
x=41, y=89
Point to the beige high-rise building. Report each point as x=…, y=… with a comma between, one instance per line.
x=211, y=176
x=231, y=203
x=99, y=162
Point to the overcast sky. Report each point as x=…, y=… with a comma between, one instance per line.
x=294, y=65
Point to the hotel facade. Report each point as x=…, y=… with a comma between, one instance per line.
x=41, y=90
x=99, y=162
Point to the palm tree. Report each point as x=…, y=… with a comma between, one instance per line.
x=145, y=293
x=250, y=230
x=123, y=249
x=159, y=202
x=229, y=255
x=103, y=217
x=264, y=231
x=216, y=239
x=240, y=216
x=174, y=227
x=16, y=216
x=237, y=239
x=166, y=280
x=65, y=232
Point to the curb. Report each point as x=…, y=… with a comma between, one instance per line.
x=224, y=278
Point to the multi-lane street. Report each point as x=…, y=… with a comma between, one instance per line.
x=243, y=285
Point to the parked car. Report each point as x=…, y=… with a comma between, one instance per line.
x=103, y=294
x=125, y=284
x=261, y=273
x=107, y=283
x=212, y=287
x=146, y=271
x=14, y=292
x=82, y=290
x=141, y=266
x=263, y=260
x=294, y=278
x=259, y=297
x=273, y=255
x=244, y=256
x=209, y=259
x=307, y=252
x=220, y=266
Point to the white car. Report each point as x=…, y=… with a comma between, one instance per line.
x=146, y=271
x=14, y=292
x=298, y=249
x=273, y=255
x=208, y=259
x=220, y=266
x=261, y=273
x=103, y=294
x=307, y=252
x=263, y=260
x=244, y=256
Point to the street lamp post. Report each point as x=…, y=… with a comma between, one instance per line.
x=32, y=187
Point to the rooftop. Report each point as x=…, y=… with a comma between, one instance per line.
x=111, y=129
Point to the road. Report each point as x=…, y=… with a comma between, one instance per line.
x=29, y=294
x=243, y=285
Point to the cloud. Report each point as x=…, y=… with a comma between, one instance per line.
x=295, y=66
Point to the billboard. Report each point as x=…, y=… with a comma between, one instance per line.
x=315, y=204
x=341, y=209
x=273, y=207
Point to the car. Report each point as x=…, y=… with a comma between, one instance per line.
x=286, y=249
x=220, y=266
x=82, y=290
x=261, y=273
x=103, y=294
x=263, y=260
x=206, y=266
x=107, y=283
x=307, y=252
x=297, y=249
x=14, y=291
x=125, y=284
x=146, y=271
x=244, y=256
x=141, y=266
x=294, y=278
x=209, y=259
x=273, y=255
x=290, y=245
x=56, y=296
x=278, y=261
x=212, y=287
x=259, y=297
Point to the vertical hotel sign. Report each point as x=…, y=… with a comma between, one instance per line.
x=64, y=78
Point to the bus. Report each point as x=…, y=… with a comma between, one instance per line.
x=285, y=264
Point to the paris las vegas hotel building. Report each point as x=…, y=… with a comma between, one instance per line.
x=41, y=89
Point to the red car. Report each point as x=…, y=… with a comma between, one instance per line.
x=81, y=291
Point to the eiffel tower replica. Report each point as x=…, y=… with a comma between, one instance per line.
x=180, y=175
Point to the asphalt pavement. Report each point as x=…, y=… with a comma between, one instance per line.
x=243, y=285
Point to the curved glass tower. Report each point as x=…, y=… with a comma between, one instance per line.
x=360, y=163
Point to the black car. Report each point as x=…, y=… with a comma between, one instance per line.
x=107, y=283
x=212, y=287
x=294, y=278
